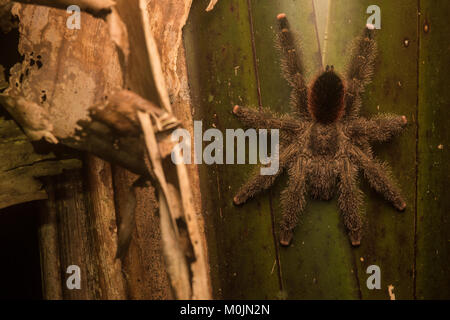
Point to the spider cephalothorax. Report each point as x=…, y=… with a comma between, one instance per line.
x=325, y=144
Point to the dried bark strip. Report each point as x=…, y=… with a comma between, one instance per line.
x=211, y=5
x=92, y=6
x=174, y=257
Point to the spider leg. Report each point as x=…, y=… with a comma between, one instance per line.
x=254, y=186
x=380, y=128
x=260, y=182
x=359, y=70
x=293, y=201
x=350, y=201
x=379, y=177
x=292, y=67
x=265, y=119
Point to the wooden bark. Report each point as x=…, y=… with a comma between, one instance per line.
x=78, y=227
x=91, y=128
x=143, y=266
x=104, y=228
x=93, y=6
x=151, y=19
x=167, y=21
x=21, y=166
x=48, y=238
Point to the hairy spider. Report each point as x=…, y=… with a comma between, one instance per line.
x=325, y=142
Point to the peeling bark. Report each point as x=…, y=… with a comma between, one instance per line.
x=92, y=6
x=166, y=22
x=7, y=23
x=65, y=71
x=143, y=266
x=20, y=166
x=68, y=88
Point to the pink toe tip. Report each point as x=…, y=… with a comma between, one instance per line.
x=356, y=243
x=405, y=121
x=281, y=16
x=236, y=109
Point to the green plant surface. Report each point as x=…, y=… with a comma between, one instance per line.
x=433, y=204
x=388, y=240
x=320, y=242
x=232, y=59
x=222, y=74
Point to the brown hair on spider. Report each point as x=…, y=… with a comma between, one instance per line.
x=326, y=97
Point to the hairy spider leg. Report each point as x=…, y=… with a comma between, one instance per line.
x=379, y=177
x=293, y=200
x=292, y=67
x=359, y=70
x=253, y=118
x=379, y=128
x=350, y=201
x=259, y=182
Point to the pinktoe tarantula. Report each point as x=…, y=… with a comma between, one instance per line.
x=325, y=143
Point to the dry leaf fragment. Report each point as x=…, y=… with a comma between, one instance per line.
x=391, y=292
x=211, y=5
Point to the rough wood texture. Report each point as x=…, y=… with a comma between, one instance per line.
x=78, y=222
x=143, y=266
x=104, y=227
x=150, y=20
x=167, y=21
x=74, y=235
x=21, y=165
x=143, y=72
x=48, y=239
x=63, y=65
x=174, y=257
x=150, y=83
x=94, y=6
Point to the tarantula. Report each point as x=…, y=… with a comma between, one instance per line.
x=325, y=142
